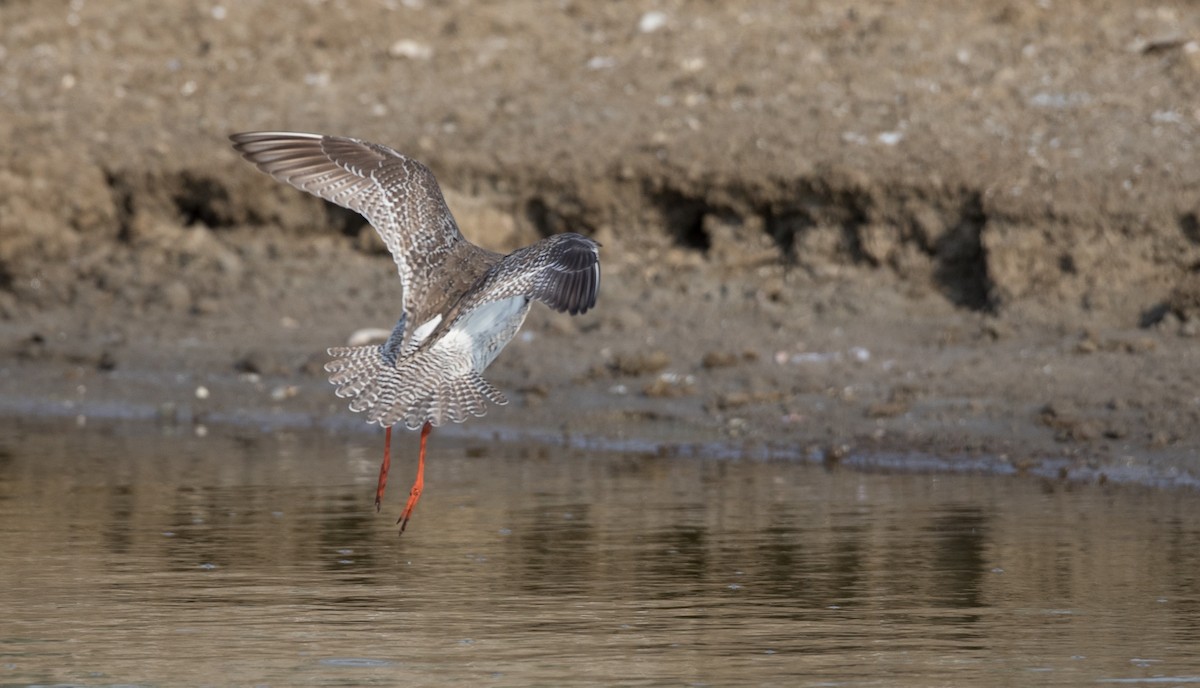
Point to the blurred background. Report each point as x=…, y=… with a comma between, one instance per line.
x=911, y=224
x=852, y=252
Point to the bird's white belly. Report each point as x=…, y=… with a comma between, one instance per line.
x=484, y=332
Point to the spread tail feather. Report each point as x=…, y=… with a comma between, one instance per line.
x=413, y=392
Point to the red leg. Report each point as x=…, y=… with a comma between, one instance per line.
x=384, y=468
x=414, y=495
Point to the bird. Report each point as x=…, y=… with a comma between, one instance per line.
x=460, y=304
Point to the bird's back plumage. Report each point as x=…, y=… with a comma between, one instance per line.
x=461, y=303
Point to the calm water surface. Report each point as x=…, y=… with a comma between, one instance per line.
x=140, y=558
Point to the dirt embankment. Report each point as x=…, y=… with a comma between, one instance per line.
x=916, y=225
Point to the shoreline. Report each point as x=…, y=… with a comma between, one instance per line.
x=175, y=408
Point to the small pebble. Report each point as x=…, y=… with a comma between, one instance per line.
x=651, y=22
x=410, y=49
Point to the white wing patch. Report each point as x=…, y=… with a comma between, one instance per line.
x=422, y=333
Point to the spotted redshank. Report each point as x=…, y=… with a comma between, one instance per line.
x=460, y=304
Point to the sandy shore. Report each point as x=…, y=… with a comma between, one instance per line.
x=901, y=230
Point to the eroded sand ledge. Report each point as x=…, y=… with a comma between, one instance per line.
x=958, y=229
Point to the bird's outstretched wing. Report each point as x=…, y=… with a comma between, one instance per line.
x=396, y=194
x=562, y=271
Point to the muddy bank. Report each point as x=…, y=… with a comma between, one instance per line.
x=943, y=227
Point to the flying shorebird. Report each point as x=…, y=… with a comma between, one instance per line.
x=460, y=304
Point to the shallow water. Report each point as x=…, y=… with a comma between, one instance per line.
x=141, y=558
